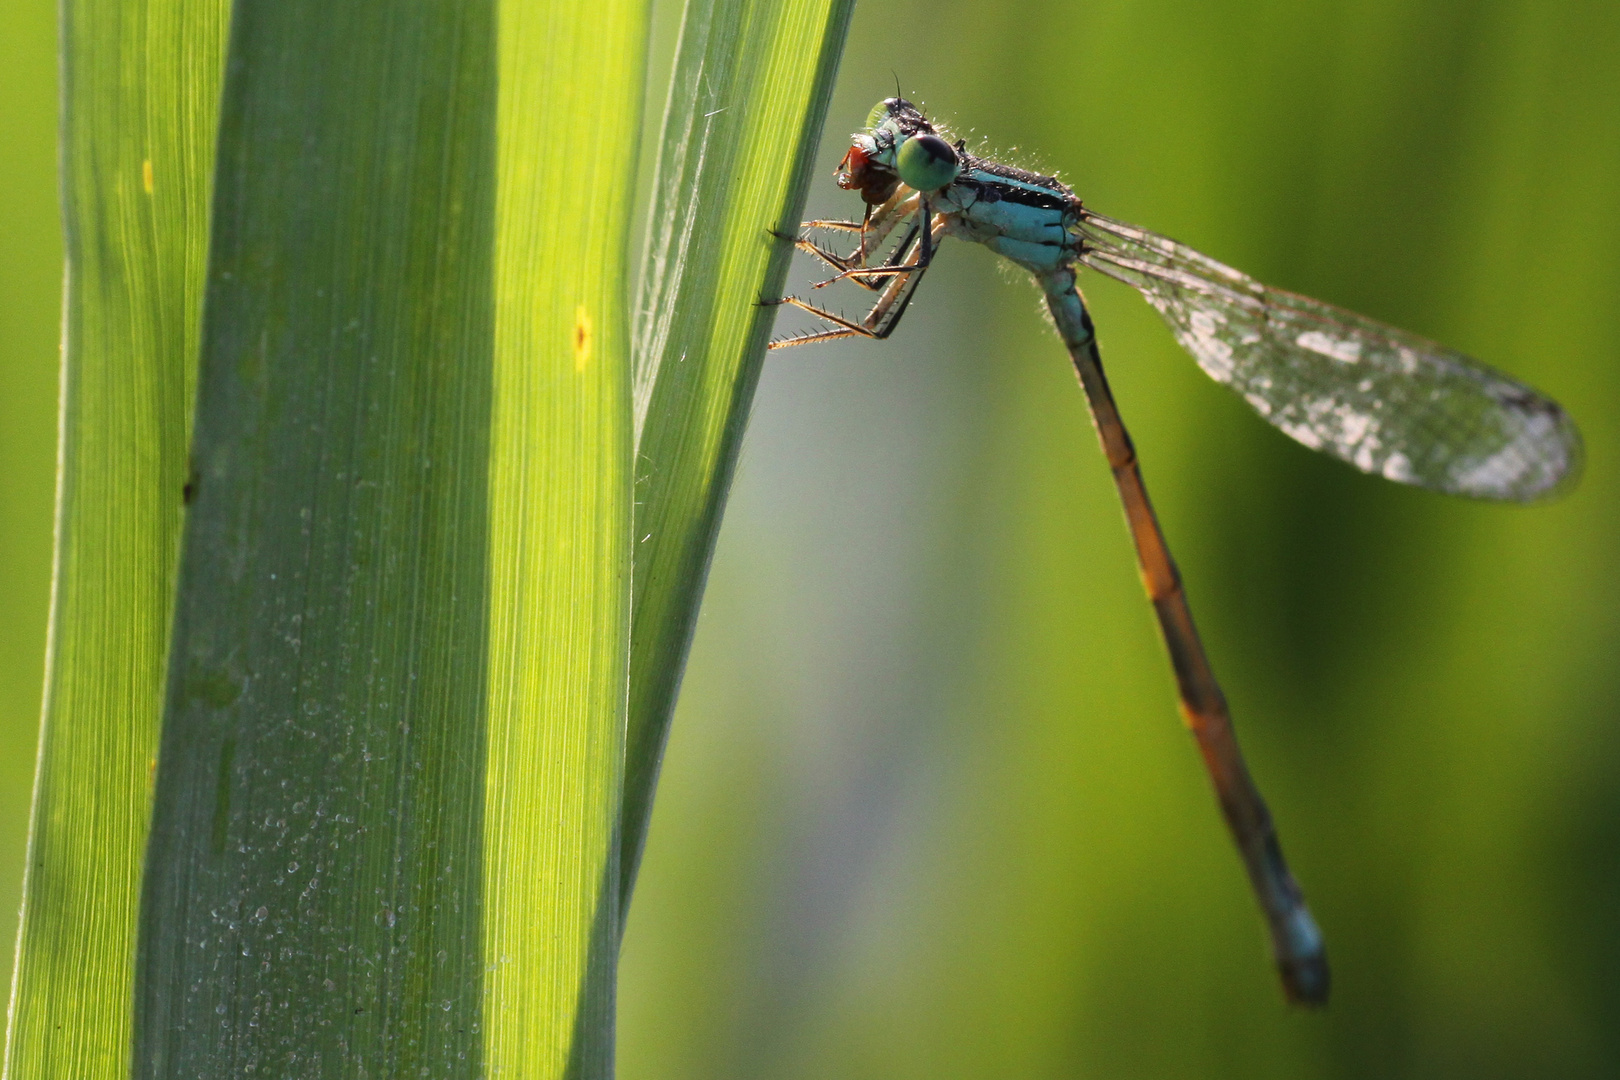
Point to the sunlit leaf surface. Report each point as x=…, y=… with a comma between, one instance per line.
x=749, y=93
x=384, y=824
x=139, y=97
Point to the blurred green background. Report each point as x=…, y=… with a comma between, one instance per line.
x=928, y=809
x=30, y=320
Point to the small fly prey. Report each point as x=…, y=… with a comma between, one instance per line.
x=1383, y=400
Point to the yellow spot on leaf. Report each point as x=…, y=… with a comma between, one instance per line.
x=146, y=175
x=582, y=338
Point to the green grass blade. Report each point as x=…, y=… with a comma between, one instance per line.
x=140, y=93
x=749, y=96
x=571, y=75
x=310, y=845
x=384, y=836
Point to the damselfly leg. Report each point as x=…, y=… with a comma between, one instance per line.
x=894, y=278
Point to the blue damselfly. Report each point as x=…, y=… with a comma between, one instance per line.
x=1384, y=401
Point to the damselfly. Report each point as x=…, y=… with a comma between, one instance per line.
x=1383, y=400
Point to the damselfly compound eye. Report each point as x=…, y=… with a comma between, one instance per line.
x=927, y=162
x=880, y=112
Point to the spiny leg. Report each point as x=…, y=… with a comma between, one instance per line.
x=884, y=315
x=855, y=265
x=847, y=327
x=816, y=338
x=872, y=277
x=860, y=274
x=875, y=226
x=836, y=226
x=846, y=266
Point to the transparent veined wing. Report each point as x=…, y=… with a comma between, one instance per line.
x=1385, y=401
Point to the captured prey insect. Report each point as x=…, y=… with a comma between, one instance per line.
x=1383, y=400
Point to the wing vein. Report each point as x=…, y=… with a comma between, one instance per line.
x=1383, y=400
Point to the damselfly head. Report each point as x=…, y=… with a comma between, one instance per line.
x=893, y=120
x=874, y=166
x=886, y=109
x=927, y=162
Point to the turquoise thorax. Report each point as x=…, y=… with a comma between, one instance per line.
x=1021, y=218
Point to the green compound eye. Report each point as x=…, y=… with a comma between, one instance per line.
x=879, y=113
x=927, y=162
